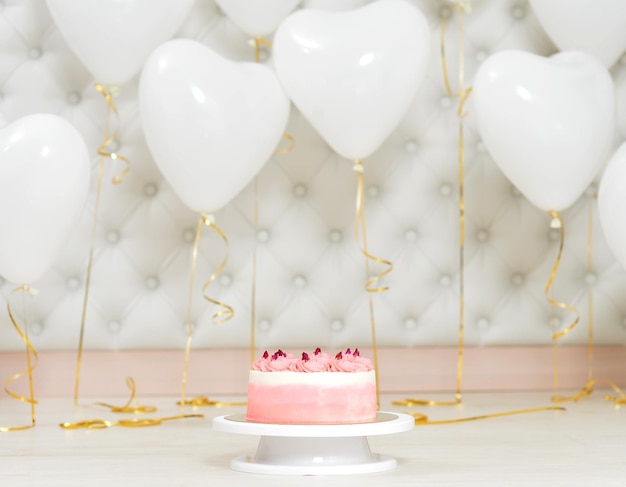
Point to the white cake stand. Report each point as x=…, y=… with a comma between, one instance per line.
x=319, y=449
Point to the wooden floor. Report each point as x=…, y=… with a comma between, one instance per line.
x=583, y=446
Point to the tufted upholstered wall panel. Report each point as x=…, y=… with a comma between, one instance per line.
x=310, y=272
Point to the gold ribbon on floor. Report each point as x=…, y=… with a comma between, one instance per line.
x=203, y=401
x=219, y=317
x=31, y=354
x=107, y=139
x=98, y=424
x=557, y=223
x=422, y=419
x=127, y=408
x=360, y=228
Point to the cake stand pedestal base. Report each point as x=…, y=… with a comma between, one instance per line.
x=280, y=455
x=318, y=449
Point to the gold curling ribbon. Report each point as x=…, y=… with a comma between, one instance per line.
x=360, y=224
x=219, y=317
x=103, y=152
x=557, y=223
x=258, y=42
x=422, y=419
x=98, y=424
x=108, y=140
x=30, y=367
x=127, y=408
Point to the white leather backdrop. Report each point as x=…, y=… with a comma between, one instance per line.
x=310, y=271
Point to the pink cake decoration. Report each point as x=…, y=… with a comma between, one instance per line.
x=318, y=361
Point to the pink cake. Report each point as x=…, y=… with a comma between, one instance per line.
x=313, y=389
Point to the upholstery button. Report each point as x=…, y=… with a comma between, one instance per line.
x=410, y=323
x=113, y=236
x=445, y=102
x=152, y=282
x=373, y=191
x=410, y=235
x=482, y=323
x=263, y=235
x=299, y=282
x=150, y=189
x=188, y=235
x=445, y=280
x=264, y=325
x=73, y=283
x=114, y=326
x=482, y=235
x=445, y=189
x=300, y=190
x=35, y=328
x=35, y=52
x=335, y=236
x=410, y=146
x=554, y=235
x=225, y=280
x=518, y=12
x=444, y=12
x=590, y=278
x=336, y=325
x=517, y=279
x=73, y=98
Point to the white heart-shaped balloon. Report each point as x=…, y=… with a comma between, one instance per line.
x=113, y=38
x=353, y=74
x=257, y=18
x=611, y=204
x=210, y=123
x=44, y=181
x=597, y=27
x=548, y=123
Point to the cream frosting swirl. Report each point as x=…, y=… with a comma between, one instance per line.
x=317, y=361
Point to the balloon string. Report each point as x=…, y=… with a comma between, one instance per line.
x=96, y=424
x=127, y=408
x=219, y=317
x=360, y=224
x=462, y=95
x=255, y=217
x=258, y=41
x=557, y=222
x=31, y=354
x=590, y=293
x=102, y=151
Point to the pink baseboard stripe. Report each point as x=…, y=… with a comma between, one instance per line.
x=157, y=372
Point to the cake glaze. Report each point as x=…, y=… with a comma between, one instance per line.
x=315, y=388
